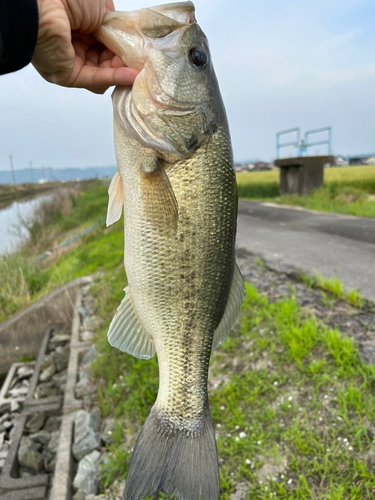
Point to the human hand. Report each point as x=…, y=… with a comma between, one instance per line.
x=67, y=54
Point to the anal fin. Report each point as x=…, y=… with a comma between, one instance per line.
x=235, y=299
x=126, y=332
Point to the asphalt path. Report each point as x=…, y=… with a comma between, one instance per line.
x=329, y=244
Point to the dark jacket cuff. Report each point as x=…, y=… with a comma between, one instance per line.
x=18, y=33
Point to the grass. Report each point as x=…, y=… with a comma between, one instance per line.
x=24, y=279
x=347, y=190
x=335, y=289
x=293, y=405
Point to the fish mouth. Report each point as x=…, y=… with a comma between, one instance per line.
x=132, y=35
x=135, y=36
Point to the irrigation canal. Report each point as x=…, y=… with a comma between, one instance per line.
x=11, y=216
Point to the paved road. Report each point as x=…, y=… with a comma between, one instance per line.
x=332, y=245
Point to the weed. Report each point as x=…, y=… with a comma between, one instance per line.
x=334, y=287
x=25, y=358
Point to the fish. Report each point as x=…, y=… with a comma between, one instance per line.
x=176, y=185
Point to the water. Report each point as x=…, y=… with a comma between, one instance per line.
x=11, y=231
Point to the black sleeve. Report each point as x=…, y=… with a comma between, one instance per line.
x=18, y=33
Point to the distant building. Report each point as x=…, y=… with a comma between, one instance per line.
x=250, y=167
x=262, y=165
x=341, y=162
x=355, y=160
x=369, y=161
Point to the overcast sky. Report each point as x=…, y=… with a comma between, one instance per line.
x=279, y=65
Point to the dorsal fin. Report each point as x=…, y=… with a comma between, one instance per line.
x=235, y=299
x=116, y=199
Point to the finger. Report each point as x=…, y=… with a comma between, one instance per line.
x=89, y=40
x=109, y=5
x=106, y=55
x=99, y=79
x=116, y=62
x=92, y=57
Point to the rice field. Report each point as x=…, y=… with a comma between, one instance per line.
x=348, y=190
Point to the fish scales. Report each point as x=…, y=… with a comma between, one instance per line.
x=182, y=277
x=177, y=185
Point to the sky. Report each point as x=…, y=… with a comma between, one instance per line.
x=279, y=65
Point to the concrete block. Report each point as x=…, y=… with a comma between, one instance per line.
x=77, y=351
x=5, y=387
x=76, y=322
x=302, y=174
x=63, y=477
x=39, y=493
x=70, y=401
x=31, y=402
x=8, y=478
x=22, y=334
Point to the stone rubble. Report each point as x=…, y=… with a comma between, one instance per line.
x=10, y=410
x=89, y=322
x=86, y=435
x=53, y=373
x=37, y=451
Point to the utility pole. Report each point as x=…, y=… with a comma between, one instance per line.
x=52, y=176
x=31, y=171
x=12, y=169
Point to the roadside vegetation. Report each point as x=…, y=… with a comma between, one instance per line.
x=347, y=190
x=24, y=276
x=292, y=403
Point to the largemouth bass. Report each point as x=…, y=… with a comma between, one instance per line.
x=177, y=185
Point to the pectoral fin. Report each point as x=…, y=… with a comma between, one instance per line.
x=126, y=332
x=159, y=203
x=236, y=296
x=116, y=199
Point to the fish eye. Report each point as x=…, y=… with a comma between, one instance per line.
x=198, y=57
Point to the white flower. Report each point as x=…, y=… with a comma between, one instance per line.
x=242, y=435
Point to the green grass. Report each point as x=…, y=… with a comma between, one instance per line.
x=335, y=289
x=24, y=279
x=347, y=190
x=296, y=403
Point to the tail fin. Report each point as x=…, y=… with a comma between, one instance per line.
x=182, y=464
